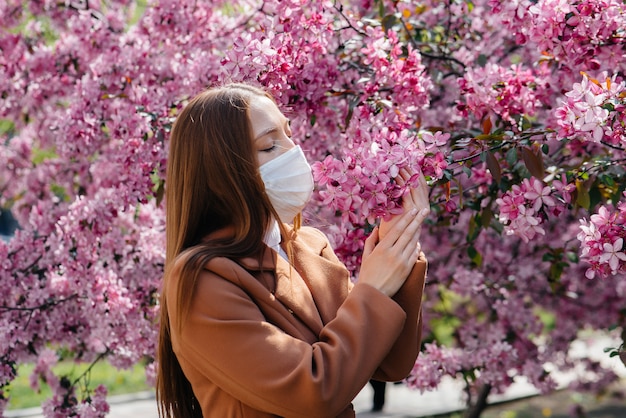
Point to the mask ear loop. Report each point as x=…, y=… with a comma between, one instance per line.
x=297, y=222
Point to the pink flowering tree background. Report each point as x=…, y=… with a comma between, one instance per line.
x=514, y=110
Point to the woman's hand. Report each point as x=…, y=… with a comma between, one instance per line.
x=387, y=263
x=416, y=198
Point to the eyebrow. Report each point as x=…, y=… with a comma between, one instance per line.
x=266, y=132
x=270, y=130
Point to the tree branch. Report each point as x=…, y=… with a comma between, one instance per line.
x=475, y=410
x=44, y=305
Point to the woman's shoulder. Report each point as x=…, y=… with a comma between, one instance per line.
x=310, y=237
x=312, y=233
x=311, y=240
x=202, y=258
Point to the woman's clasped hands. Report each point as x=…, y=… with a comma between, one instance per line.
x=393, y=248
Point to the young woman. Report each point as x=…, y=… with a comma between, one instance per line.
x=258, y=316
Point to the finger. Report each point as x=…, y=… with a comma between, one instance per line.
x=401, y=177
x=416, y=252
x=417, y=195
x=421, y=192
x=412, y=251
x=412, y=244
x=401, y=222
x=410, y=234
x=370, y=242
x=422, y=182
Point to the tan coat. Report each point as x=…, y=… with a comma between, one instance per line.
x=296, y=341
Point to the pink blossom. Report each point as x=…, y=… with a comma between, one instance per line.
x=538, y=193
x=613, y=253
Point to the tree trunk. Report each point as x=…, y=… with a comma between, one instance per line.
x=475, y=410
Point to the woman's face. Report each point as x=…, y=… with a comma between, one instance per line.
x=270, y=129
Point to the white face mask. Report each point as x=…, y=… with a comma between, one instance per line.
x=288, y=183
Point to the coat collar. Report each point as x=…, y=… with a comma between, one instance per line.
x=252, y=263
x=296, y=291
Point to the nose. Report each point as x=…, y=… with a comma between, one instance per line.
x=286, y=143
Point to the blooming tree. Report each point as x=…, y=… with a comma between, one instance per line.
x=514, y=110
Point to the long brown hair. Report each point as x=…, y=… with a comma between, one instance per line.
x=212, y=182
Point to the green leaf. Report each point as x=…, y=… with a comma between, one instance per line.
x=474, y=228
x=595, y=196
x=160, y=193
x=556, y=270
x=548, y=257
x=582, y=195
x=572, y=256
x=608, y=106
x=40, y=155
x=59, y=192
x=444, y=330
x=389, y=22
x=7, y=127
x=475, y=256
x=607, y=180
x=486, y=217
x=511, y=156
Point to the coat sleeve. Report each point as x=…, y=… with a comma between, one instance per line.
x=401, y=358
x=227, y=340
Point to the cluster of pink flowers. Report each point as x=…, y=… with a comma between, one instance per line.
x=454, y=89
x=361, y=188
x=507, y=92
x=602, y=239
x=65, y=403
x=582, y=35
x=398, y=72
x=437, y=362
x=361, y=185
x=432, y=365
x=525, y=207
x=595, y=111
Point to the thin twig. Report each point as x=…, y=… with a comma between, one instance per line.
x=350, y=25
x=91, y=366
x=39, y=307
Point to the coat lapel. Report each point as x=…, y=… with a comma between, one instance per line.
x=289, y=288
x=292, y=291
x=314, y=287
x=326, y=277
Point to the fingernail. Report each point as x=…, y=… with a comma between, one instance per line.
x=424, y=211
x=414, y=211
